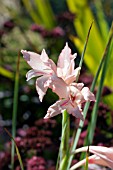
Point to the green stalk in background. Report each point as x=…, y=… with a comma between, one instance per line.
x=45, y=12
x=85, y=46
x=107, y=55
x=17, y=151
x=88, y=103
x=15, y=105
x=31, y=11
x=84, y=50
x=103, y=62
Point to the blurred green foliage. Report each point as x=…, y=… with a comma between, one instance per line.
x=48, y=24
x=49, y=14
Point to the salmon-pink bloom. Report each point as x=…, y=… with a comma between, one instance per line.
x=102, y=156
x=51, y=76
x=61, y=79
x=77, y=95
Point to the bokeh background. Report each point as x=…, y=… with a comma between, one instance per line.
x=47, y=24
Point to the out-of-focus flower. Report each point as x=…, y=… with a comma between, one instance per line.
x=102, y=156
x=9, y=24
x=66, y=16
x=36, y=163
x=57, y=32
x=40, y=29
x=77, y=95
x=37, y=28
x=55, y=77
x=1, y=33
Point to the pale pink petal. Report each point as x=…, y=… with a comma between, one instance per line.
x=34, y=73
x=35, y=61
x=97, y=160
x=60, y=72
x=91, y=160
x=65, y=62
x=69, y=79
x=41, y=89
x=48, y=62
x=88, y=96
x=44, y=57
x=64, y=58
x=76, y=95
x=55, y=109
x=73, y=76
x=75, y=111
x=104, y=155
x=94, y=159
x=79, y=86
x=58, y=86
x=62, y=105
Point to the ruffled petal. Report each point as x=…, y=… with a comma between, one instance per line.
x=33, y=59
x=88, y=96
x=65, y=62
x=93, y=159
x=58, y=86
x=34, y=73
x=73, y=76
x=103, y=155
x=55, y=109
x=79, y=86
x=44, y=57
x=76, y=95
x=75, y=111
x=40, y=87
x=48, y=62
x=36, y=62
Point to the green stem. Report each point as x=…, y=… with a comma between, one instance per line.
x=92, y=89
x=98, y=96
x=14, y=117
x=64, y=145
x=84, y=50
x=91, y=126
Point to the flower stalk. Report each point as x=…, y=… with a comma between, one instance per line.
x=15, y=105
x=64, y=149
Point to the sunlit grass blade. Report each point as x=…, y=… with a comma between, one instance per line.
x=64, y=145
x=45, y=12
x=31, y=11
x=85, y=46
x=87, y=104
x=84, y=50
x=92, y=125
x=107, y=55
x=17, y=151
x=15, y=105
x=102, y=23
x=6, y=73
x=98, y=36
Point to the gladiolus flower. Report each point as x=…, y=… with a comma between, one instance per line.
x=102, y=156
x=61, y=79
x=55, y=77
x=77, y=95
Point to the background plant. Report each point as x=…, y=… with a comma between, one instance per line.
x=19, y=30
